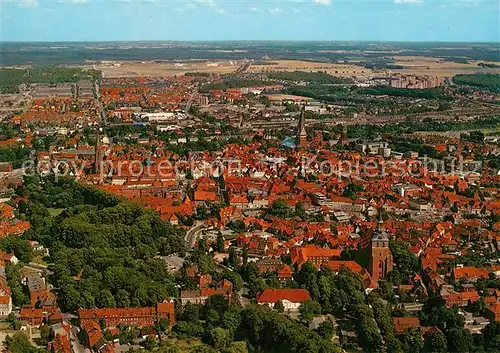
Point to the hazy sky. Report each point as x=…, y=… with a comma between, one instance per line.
x=391, y=20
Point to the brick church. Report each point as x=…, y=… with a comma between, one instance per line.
x=381, y=261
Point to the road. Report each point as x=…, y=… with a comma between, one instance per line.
x=37, y=268
x=99, y=102
x=242, y=68
x=192, y=234
x=76, y=346
x=190, y=102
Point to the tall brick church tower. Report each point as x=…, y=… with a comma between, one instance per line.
x=381, y=257
x=301, y=130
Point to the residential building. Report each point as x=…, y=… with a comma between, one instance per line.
x=312, y=253
x=199, y=296
x=145, y=316
x=290, y=298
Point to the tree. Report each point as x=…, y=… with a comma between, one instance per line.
x=220, y=242
x=237, y=225
x=233, y=259
x=386, y=291
x=411, y=340
x=164, y=324
x=20, y=247
x=237, y=347
x=491, y=336
x=191, y=312
x=204, y=349
x=231, y=320
x=279, y=208
x=435, y=341
x=278, y=306
x=184, y=329
x=459, y=340
x=19, y=343
x=105, y=299
x=269, y=331
x=307, y=278
x=122, y=299
x=234, y=278
x=149, y=343
x=216, y=302
x=435, y=313
x=309, y=309
x=14, y=321
x=326, y=329
x=244, y=255
x=219, y=338
x=212, y=317
x=45, y=334
x=369, y=336
x=406, y=261
x=300, y=211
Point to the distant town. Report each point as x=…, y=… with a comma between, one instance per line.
x=251, y=204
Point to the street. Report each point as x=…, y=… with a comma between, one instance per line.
x=192, y=234
x=75, y=343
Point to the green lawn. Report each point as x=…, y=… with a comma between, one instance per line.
x=55, y=211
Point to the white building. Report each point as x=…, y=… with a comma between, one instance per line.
x=158, y=117
x=5, y=298
x=290, y=298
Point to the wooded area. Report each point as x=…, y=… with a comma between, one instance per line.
x=487, y=81
x=103, y=248
x=12, y=78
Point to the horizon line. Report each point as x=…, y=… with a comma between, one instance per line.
x=253, y=40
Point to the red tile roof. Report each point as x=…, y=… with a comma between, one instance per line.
x=292, y=295
x=303, y=254
x=470, y=272
x=402, y=323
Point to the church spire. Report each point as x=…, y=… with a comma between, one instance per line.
x=301, y=129
x=380, y=221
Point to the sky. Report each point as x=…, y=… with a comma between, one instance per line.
x=186, y=20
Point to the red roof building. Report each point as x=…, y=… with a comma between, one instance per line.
x=493, y=312
x=403, y=323
x=141, y=317
x=34, y=317
x=314, y=254
x=470, y=273
x=291, y=298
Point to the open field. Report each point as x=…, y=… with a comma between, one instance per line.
x=281, y=97
x=344, y=70
x=422, y=65
x=137, y=69
x=455, y=134
x=413, y=65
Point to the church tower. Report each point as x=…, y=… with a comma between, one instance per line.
x=240, y=123
x=381, y=261
x=343, y=135
x=301, y=137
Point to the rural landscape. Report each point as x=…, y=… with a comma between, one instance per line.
x=249, y=196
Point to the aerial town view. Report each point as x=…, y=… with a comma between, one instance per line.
x=198, y=176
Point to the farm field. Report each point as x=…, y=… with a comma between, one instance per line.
x=137, y=69
x=344, y=70
x=281, y=97
x=422, y=65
